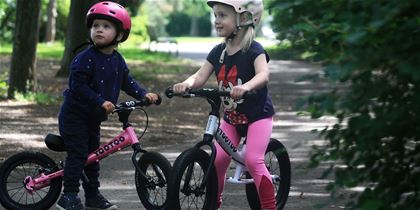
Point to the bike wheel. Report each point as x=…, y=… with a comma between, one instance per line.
x=152, y=188
x=278, y=164
x=13, y=194
x=184, y=185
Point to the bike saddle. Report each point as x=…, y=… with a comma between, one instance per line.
x=55, y=143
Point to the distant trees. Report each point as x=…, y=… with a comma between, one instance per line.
x=50, y=29
x=373, y=49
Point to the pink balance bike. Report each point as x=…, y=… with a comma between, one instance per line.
x=32, y=180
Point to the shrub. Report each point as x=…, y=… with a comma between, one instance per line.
x=373, y=48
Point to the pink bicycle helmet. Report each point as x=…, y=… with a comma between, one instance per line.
x=113, y=12
x=254, y=7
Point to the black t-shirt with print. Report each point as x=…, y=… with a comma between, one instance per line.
x=238, y=69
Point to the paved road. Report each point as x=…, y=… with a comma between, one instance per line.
x=307, y=191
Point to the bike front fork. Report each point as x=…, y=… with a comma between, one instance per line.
x=239, y=171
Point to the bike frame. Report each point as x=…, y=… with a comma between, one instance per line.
x=126, y=138
x=213, y=131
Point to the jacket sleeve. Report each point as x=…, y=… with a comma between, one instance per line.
x=81, y=82
x=131, y=87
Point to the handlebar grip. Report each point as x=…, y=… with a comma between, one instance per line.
x=250, y=95
x=169, y=92
x=159, y=101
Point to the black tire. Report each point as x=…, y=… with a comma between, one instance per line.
x=14, y=170
x=152, y=190
x=278, y=163
x=192, y=197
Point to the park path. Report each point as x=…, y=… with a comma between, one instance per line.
x=117, y=174
x=308, y=189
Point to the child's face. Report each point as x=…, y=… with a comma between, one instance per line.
x=225, y=19
x=102, y=32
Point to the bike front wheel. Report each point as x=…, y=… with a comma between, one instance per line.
x=184, y=190
x=14, y=171
x=152, y=188
x=278, y=164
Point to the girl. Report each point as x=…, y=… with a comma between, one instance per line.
x=240, y=65
x=97, y=75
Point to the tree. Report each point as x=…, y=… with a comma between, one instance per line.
x=76, y=34
x=22, y=71
x=372, y=48
x=51, y=19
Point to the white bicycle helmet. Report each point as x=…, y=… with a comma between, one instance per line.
x=254, y=7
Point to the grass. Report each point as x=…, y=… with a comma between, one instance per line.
x=129, y=50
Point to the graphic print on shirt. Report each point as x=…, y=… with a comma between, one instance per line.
x=227, y=80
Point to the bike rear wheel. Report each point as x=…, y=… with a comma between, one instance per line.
x=152, y=188
x=278, y=164
x=184, y=185
x=14, y=195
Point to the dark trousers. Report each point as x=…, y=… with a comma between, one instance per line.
x=81, y=136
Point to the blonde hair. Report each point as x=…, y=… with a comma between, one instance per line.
x=248, y=38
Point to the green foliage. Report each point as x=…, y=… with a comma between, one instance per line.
x=204, y=26
x=3, y=85
x=371, y=53
x=7, y=20
x=39, y=98
x=138, y=33
x=179, y=24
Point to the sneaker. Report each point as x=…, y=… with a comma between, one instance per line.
x=69, y=202
x=98, y=202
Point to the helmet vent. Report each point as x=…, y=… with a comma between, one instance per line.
x=112, y=12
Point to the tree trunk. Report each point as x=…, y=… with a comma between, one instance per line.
x=51, y=20
x=22, y=72
x=77, y=33
x=194, y=26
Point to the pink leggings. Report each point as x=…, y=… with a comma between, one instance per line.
x=258, y=137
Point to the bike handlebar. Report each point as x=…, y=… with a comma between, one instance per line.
x=209, y=93
x=133, y=104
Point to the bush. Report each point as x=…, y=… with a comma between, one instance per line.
x=204, y=26
x=179, y=24
x=373, y=49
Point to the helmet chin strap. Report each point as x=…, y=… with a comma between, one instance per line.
x=99, y=47
x=239, y=26
x=115, y=41
x=234, y=33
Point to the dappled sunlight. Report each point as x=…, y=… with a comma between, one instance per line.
x=113, y=129
x=301, y=123
x=279, y=136
x=188, y=126
x=288, y=66
x=193, y=113
x=115, y=186
x=302, y=194
x=46, y=120
x=171, y=156
x=14, y=108
x=317, y=143
x=299, y=159
x=26, y=140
